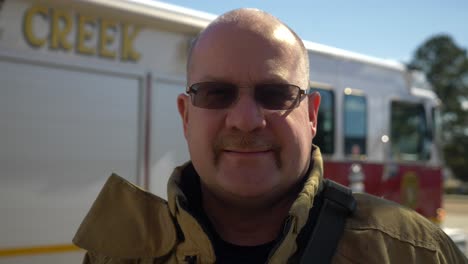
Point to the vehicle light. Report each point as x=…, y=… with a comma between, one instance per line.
x=440, y=215
x=356, y=178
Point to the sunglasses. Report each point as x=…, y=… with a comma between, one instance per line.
x=219, y=95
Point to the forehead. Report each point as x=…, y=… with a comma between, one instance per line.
x=247, y=54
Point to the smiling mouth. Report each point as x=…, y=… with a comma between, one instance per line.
x=247, y=152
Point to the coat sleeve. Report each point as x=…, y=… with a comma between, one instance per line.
x=93, y=258
x=90, y=258
x=87, y=259
x=449, y=252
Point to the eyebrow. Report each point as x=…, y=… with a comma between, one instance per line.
x=272, y=79
x=209, y=78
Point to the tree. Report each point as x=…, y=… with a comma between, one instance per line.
x=446, y=67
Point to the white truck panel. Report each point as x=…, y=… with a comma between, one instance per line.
x=56, y=151
x=168, y=145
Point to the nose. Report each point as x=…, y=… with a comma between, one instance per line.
x=245, y=115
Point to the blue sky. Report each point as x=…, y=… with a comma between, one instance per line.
x=384, y=29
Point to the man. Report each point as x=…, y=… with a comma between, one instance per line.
x=254, y=176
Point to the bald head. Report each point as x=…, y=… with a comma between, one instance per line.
x=248, y=65
x=258, y=24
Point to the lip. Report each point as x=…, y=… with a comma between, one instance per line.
x=247, y=152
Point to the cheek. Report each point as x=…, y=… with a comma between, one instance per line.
x=202, y=129
x=296, y=135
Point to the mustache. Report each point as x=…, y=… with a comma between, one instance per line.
x=245, y=141
x=241, y=141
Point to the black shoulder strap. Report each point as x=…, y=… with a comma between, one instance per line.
x=338, y=204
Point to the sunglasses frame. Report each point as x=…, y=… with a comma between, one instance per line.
x=191, y=91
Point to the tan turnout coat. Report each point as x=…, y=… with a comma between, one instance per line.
x=128, y=225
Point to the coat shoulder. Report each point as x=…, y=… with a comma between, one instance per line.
x=127, y=222
x=381, y=231
x=397, y=221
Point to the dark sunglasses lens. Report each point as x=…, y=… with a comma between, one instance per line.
x=213, y=95
x=277, y=96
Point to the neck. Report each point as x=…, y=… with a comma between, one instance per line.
x=247, y=225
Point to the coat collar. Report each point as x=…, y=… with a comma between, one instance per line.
x=299, y=212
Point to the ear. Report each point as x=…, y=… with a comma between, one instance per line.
x=183, y=102
x=314, y=103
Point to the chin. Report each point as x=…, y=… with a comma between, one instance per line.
x=249, y=184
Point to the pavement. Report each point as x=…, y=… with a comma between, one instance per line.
x=456, y=218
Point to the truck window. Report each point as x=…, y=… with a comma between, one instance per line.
x=409, y=131
x=435, y=124
x=355, y=124
x=326, y=121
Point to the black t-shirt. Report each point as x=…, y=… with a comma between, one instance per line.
x=227, y=253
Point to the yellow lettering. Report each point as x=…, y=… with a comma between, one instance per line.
x=128, y=53
x=58, y=37
x=28, y=25
x=106, y=39
x=62, y=25
x=84, y=35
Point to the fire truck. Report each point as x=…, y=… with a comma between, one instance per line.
x=88, y=88
x=377, y=128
